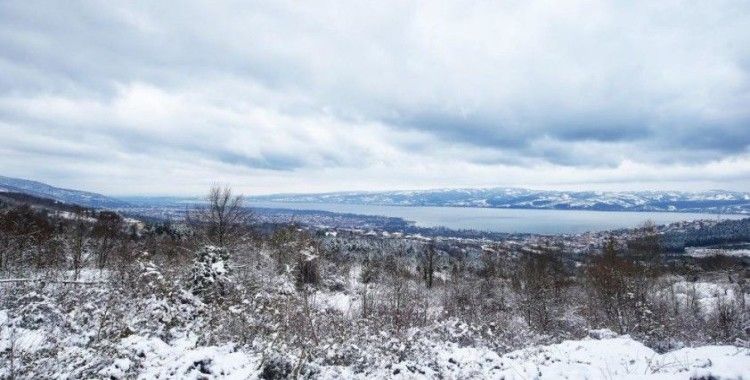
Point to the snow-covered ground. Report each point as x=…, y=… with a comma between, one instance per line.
x=613, y=358
x=706, y=296
x=146, y=323
x=709, y=252
x=607, y=356
x=182, y=360
x=618, y=357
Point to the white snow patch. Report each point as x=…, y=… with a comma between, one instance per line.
x=705, y=295
x=710, y=252
x=334, y=300
x=618, y=358
x=183, y=360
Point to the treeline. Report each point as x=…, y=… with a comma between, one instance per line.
x=725, y=232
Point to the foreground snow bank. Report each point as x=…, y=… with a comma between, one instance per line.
x=152, y=358
x=619, y=357
x=605, y=356
x=613, y=358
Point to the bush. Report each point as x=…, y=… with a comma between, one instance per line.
x=210, y=274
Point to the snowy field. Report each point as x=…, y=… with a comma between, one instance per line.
x=602, y=355
x=606, y=356
x=614, y=358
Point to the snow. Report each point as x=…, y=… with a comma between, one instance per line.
x=619, y=357
x=614, y=358
x=707, y=201
x=30, y=341
x=21, y=339
x=334, y=300
x=707, y=295
x=602, y=334
x=183, y=360
x=309, y=253
x=72, y=216
x=603, y=355
x=90, y=275
x=117, y=370
x=709, y=252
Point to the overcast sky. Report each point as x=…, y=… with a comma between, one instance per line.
x=304, y=96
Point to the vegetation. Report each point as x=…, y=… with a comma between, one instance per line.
x=91, y=279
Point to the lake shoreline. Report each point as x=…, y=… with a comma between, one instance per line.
x=504, y=220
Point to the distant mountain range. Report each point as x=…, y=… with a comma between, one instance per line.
x=42, y=190
x=714, y=201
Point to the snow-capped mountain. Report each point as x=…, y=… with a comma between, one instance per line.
x=714, y=201
x=42, y=190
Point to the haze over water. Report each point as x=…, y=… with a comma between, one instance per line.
x=505, y=220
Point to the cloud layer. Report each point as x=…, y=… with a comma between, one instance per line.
x=167, y=97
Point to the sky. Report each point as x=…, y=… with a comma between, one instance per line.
x=169, y=97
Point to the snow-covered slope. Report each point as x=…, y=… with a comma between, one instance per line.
x=42, y=190
x=615, y=358
x=611, y=358
x=708, y=201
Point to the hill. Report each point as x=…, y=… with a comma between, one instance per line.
x=43, y=190
x=714, y=201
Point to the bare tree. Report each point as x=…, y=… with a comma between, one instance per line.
x=427, y=258
x=490, y=264
x=540, y=284
x=285, y=242
x=79, y=236
x=25, y=231
x=616, y=283
x=223, y=220
x=106, y=229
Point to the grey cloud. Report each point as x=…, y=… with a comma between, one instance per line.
x=507, y=84
x=474, y=129
x=273, y=161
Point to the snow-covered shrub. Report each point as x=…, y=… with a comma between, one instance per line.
x=210, y=272
x=37, y=311
x=403, y=303
x=602, y=334
x=284, y=243
x=369, y=271
x=725, y=320
x=149, y=276
x=161, y=305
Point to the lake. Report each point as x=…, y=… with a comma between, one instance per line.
x=504, y=220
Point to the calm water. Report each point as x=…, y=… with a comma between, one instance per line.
x=505, y=220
